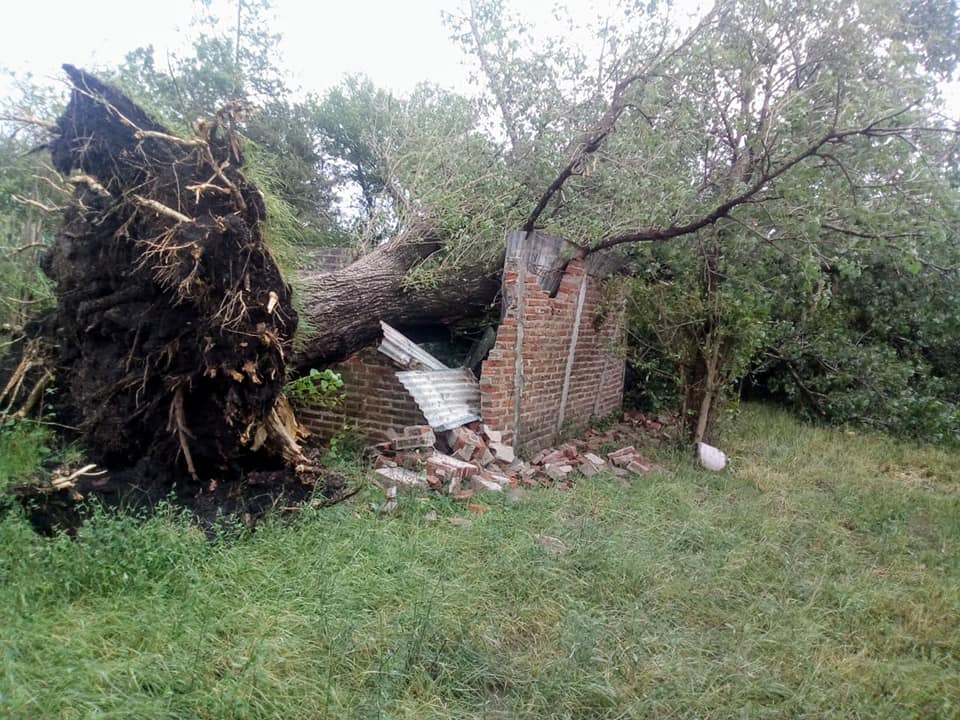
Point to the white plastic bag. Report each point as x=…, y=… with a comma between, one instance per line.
x=711, y=458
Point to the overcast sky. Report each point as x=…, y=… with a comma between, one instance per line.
x=398, y=43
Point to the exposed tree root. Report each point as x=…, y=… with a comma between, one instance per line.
x=173, y=321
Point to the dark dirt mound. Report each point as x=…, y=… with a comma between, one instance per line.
x=173, y=323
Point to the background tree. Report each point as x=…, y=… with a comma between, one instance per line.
x=236, y=59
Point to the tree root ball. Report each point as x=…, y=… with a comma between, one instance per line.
x=173, y=321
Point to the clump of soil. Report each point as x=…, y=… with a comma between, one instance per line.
x=173, y=320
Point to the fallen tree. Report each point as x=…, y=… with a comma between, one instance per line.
x=162, y=260
x=174, y=328
x=345, y=307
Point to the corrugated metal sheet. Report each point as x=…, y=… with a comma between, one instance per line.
x=405, y=352
x=448, y=398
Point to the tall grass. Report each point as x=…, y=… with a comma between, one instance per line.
x=819, y=578
x=23, y=446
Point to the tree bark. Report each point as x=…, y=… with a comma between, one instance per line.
x=343, y=309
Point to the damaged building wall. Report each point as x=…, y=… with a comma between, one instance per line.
x=569, y=367
x=557, y=361
x=374, y=400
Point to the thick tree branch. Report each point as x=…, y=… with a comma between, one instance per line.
x=509, y=122
x=877, y=128
x=24, y=120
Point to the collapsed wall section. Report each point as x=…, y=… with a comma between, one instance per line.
x=374, y=400
x=557, y=361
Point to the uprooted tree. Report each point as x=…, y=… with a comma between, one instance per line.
x=173, y=330
x=172, y=335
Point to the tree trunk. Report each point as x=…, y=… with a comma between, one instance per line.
x=343, y=309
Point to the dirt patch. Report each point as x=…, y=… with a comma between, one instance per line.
x=247, y=500
x=919, y=477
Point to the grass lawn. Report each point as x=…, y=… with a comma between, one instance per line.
x=819, y=578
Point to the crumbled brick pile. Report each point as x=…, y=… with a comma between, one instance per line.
x=473, y=459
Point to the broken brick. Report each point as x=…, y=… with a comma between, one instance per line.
x=483, y=456
x=538, y=458
x=493, y=436
x=638, y=468
x=442, y=468
x=415, y=436
x=464, y=443
x=594, y=459
x=411, y=443
x=481, y=484
x=418, y=431
x=623, y=456
x=460, y=437
x=383, y=462
x=553, y=457
x=503, y=453
x=497, y=477
x=399, y=476
x=557, y=472
x=411, y=460
x=588, y=469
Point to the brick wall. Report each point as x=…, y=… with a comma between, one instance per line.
x=374, y=400
x=557, y=350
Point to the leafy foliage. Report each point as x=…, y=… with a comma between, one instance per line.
x=229, y=64
x=319, y=388
x=25, y=230
x=23, y=446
